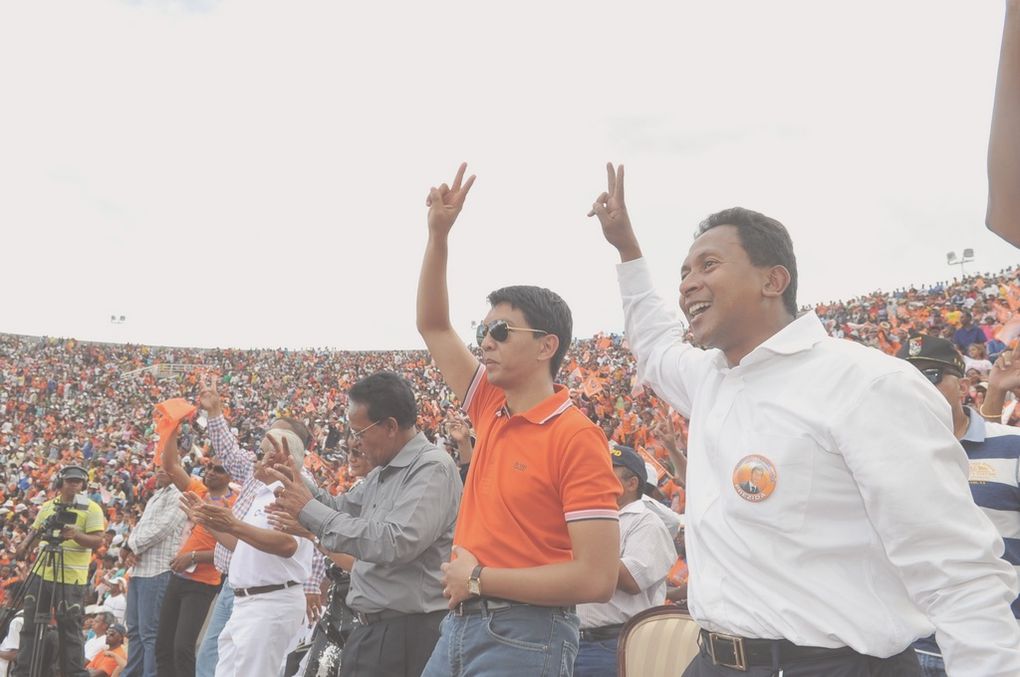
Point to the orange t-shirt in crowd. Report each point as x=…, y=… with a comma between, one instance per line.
x=105, y=663
x=531, y=474
x=201, y=539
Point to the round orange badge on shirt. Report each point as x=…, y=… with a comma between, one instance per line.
x=754, y=478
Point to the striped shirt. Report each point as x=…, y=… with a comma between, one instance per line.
x=993, y=450
x=994, y=453
x=241, y=466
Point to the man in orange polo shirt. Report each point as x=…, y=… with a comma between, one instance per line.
x=537, y=531
x=194, y=579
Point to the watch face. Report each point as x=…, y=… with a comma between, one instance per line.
x=473, y=587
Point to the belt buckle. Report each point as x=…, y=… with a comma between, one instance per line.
x=738, y=650
x=459, y=609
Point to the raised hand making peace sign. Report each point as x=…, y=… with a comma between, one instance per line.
x=445, y=202
x=612, y=212
x=209, y=396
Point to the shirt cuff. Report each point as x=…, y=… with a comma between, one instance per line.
x=634, y=276
x=314, y=516
x=638, y=571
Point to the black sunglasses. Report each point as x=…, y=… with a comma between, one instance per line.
x=936, y=374
x=500, y=330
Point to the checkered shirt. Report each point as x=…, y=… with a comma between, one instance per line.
x=241, y=466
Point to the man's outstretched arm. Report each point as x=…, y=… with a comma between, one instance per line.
x=454, y=360
x=1003, y=216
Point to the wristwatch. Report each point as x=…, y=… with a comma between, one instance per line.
x=475, y=582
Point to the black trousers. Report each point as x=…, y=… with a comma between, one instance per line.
x=842, y=665
x=70, y=650
x=398, y=647
x=185, y=605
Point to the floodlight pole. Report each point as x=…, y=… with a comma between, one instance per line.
x=953, y=261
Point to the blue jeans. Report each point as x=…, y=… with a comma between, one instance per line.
x=144, y=598
x=520, y=640
x=597, y=659
x=931, y=666
x=208, y=653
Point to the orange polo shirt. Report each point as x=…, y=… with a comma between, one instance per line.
x=103, y=662
x=201, y=539
x=531, y=474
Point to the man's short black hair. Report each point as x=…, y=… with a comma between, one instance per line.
x=298, y=428
x=386, y=395
x=765, y=240
x=543, y=309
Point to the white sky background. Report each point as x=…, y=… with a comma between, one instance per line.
x=253, y=173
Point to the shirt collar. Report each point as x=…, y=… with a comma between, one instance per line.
x=637, y=506
x=409, y=452
x=800, y=335
x=547, y=409
x=976, y=430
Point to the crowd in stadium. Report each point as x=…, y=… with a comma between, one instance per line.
x=68, y=402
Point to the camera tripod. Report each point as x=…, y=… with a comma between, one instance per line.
x=52, y=557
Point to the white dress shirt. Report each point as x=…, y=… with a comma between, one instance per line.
x=647, y=551
x=250, y=567
x=870, y=537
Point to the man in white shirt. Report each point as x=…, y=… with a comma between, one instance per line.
x=10, y=644
x=102, y=621
x=646, y=554
x=862, y=535
x=266, y=573
x=116, y=602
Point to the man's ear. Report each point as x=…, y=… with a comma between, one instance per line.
x=777, y=279
x=550, y=343
x=964, y=386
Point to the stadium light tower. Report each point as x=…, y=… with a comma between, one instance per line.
x=967, y=257
x=117, y=319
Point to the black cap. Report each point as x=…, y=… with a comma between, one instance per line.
x=117, y=627
x=925, y=351
x=631, y=460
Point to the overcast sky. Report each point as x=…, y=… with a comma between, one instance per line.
x=252, y=173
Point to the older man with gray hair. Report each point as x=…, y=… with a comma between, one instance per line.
x=267, y=569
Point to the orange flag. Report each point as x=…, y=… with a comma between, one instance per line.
x=660, y=470
x=168, y=416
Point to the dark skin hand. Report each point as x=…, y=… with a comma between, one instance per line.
x=294, y=495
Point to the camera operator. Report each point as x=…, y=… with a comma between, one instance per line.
x=75, y=524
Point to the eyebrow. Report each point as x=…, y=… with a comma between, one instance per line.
x=698, y=256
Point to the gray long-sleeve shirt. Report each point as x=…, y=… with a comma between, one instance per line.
x=398, y=525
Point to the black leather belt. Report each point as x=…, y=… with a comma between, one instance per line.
x=477, y=605
x=600, y=634
x=384, y=615
x=248, y=592
x=741, y=653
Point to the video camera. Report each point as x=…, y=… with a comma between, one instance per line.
x=64, y=516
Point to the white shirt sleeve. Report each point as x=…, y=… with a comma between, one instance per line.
x=665, y=362
x=648, y=552
x=912, y=475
